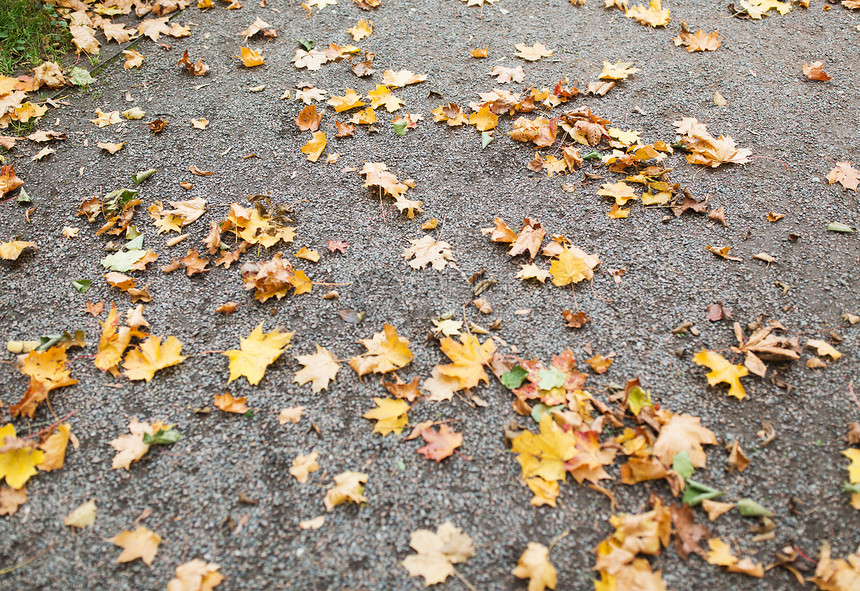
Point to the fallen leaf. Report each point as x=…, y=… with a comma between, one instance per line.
x=83, y=516
x=815, y=71
x=250, y=57
x=535, y=566
x=141, y=543
x=386, y=351
x=437, y=553
x=440, y=444
x=428, y=251
x=290, y=415
x=303, y=465
x=143, y=361
x=533, y=53
x=227, y=403
x=347, y=487
x=196, y=575
x=319, y=369
x=256, y=353
x=389, y=414
x=722, y=371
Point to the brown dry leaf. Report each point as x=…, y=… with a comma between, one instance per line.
x=688, y=533
x=132, y=59
x=257, y=26
x=575, y=319
x=535, y=566
x=737, y=459
x=479, y=53
x=837, y=575
x=714, y=508
x=195, y=69
x=110, y=148
x=308, y=119
x=84, y=39
x=9, y=181
x=303, y=465
x=815, y=71
x=95, y=309
x=141, y=543
x=157, y=125
x=11, y=499
x=227, y=403
x=227, y=308
x=401, y=389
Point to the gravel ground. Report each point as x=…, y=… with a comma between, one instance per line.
x=193, y=487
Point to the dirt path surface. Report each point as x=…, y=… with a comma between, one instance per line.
x=223, y=492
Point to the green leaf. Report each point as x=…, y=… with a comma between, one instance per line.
x=551, y=378
x=135, y=243
x=514, y=379
x=401, y=465
x=749, y=508
x=23, y=196
x=400, y=127
x=540, y=409
x=486, y=138
x=593, y=155
x=696, y=492
x=851, y=488
x=639, y=398
x=682, y=465
x=306, y=43
x=162, y=437
x=249, y=414
x=115, y=199
x=121, y=261
x=80, y=77
x=82, y=285
x=142, y=176
x=839, y=227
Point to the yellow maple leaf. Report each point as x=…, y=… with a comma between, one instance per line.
x=620, y=191
x=113, y=342
x=250, y=57
x=307, y=254
x=382, y=96
x=47, y=371
x=256, y=353
x=545, y=491
x=386, y=351
x=469, y=357
x=10, y=251
x=723, y=371
x=18, y=463
x=347, y=487
x=617, y=71
x=545, y=454
x=535, y=566
x=141, y=543
x=653, y=16
x=854, y=468
x=319, y=369
x=143, y=361
x=389, y=414
x=55, y=449
x=363, y=29
x=315, y=146
x=484, y=119
x=572, y=266
x=720, y=553
x=350, y=100
x=757, y=8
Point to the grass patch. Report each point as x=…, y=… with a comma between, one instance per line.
x=30, y=32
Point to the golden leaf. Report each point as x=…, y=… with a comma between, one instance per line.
x=315, y=146
x=535, y=566
x=347, y=487
x=143, y=361
x=256, y=353
x=386, y=352
x=389, y=414
x=722, y=371
x=141, y=543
